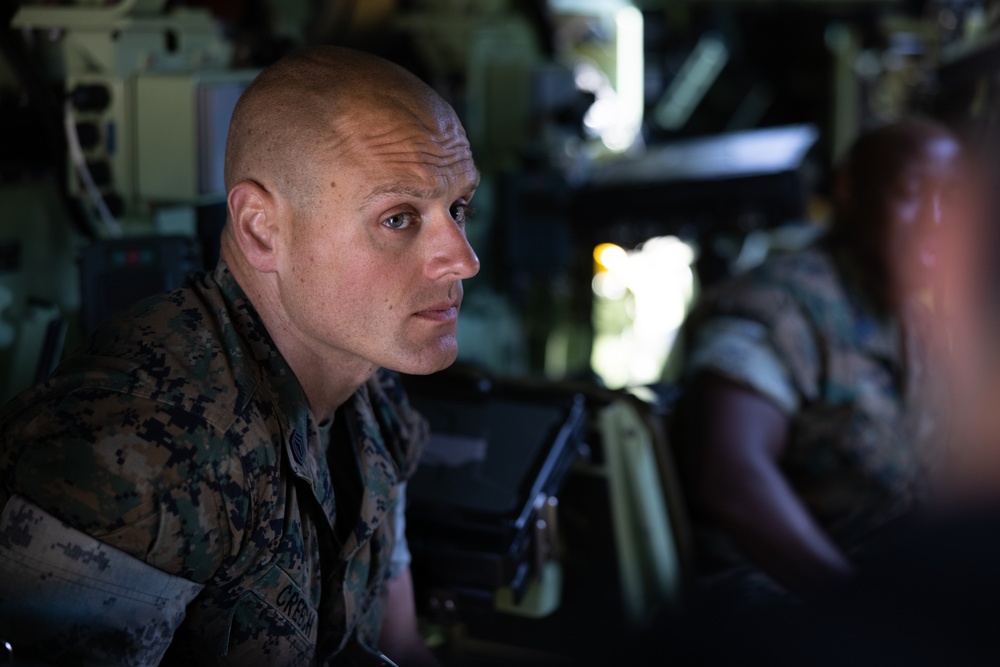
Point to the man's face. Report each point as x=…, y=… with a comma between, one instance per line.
x=918, y=202
x=373, y=270
x=901, y=211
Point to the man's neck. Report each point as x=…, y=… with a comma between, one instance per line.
x=327, y=379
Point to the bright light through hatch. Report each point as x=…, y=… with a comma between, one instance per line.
x=641, y=298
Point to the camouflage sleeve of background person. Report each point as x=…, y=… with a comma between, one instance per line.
x=80, y=460
x=753, y=331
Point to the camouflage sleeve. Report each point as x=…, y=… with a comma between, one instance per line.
x=739, y=349
x=780, y=326
x=140, y=475
x=66, y=598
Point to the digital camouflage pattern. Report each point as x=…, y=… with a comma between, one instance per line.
x=127, y=610
x=869, y=422
x=179, y=435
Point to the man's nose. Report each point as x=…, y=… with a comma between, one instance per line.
x=449, y=250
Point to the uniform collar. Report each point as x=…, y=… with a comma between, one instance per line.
x=385, y=434
x=273, y=375
x=870, y=329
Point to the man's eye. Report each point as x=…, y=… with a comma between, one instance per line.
x=398, y=221
x=461, y=213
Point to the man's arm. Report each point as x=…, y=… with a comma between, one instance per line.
x=740, y=439
x=400, y=638
x=67, y=598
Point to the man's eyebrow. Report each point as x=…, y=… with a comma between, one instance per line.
x=396, y=190
x=400, y=189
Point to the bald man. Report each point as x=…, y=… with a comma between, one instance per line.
x=812, y=418
x=218, y=476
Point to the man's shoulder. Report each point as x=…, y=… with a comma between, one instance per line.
x=154, y=411
x=179, y=347
x=781, y=286
x=403, y=430
x=795, y=269
x=182, y=321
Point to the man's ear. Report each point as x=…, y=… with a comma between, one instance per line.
x=255, y=225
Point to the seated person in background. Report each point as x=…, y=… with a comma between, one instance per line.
x=217, y=476
x=811, y=414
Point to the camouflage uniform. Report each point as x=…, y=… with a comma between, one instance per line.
x=864, y=423
x=177, y=449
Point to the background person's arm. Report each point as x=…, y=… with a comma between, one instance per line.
x=400, y=637
x=740, y=438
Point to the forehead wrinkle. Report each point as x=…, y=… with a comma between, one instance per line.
x=442, y=168
x=419, y=145
x=403, y=145
x=409, y=157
